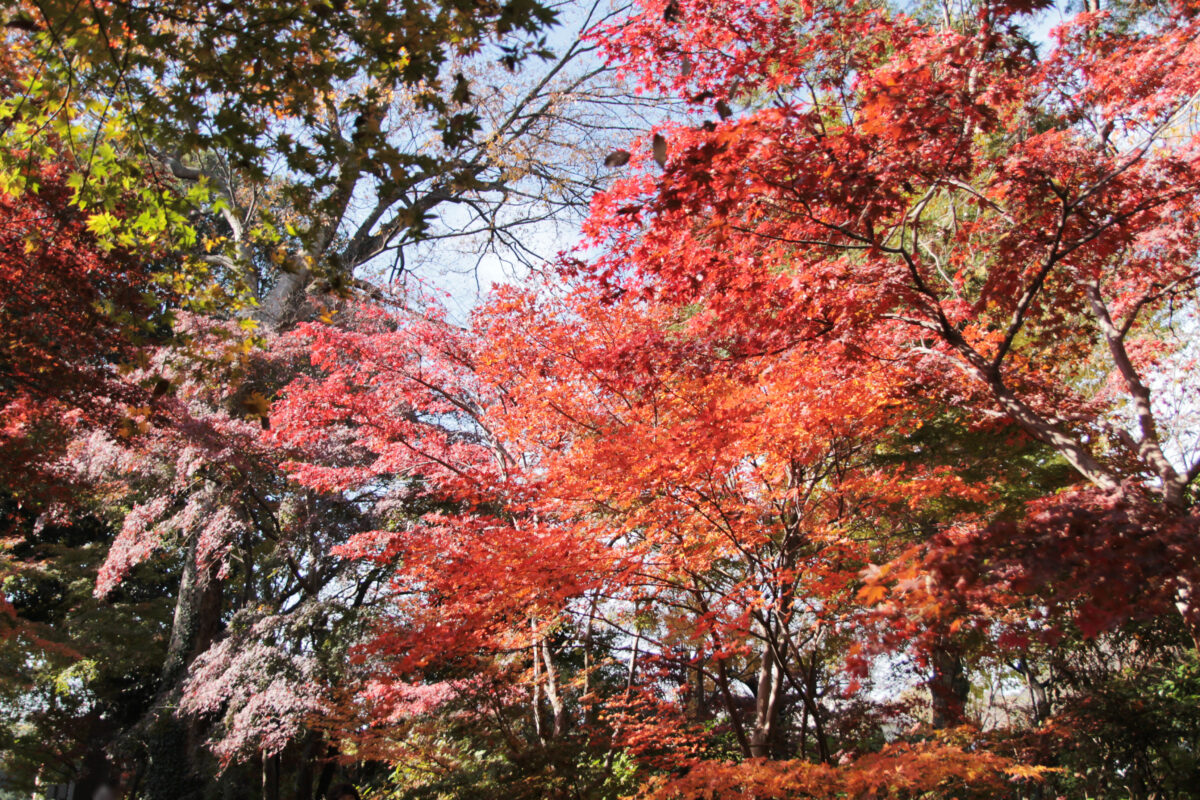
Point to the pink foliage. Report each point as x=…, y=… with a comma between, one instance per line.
x=262, y=685
x=137, y=540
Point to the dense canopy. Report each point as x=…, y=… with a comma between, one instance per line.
x=820, y=421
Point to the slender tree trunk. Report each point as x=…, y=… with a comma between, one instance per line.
x=589, y=707
x=731, y=707
x=702, y=712
x=1187, y=603
x=536, y=689
x=803, y=730
x=270, y=777
x=557, y=706
x=811, y=679
x=1038, y=700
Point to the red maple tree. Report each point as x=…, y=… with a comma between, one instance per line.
x=1015, y=234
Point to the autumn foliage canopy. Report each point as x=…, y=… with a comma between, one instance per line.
x=851, y=453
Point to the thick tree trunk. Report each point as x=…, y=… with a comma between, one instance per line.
x=172, y=743
x=1038, y=698
x=285, y=299
x=305, y=771
x=767, y=701
x=169, y=774
x=96, y=770
x=948, y=687
x=325, y=780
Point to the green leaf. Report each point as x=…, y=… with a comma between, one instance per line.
x=103, y=224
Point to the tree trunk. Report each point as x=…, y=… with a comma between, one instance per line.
x=731, y=707
x=305, y=770
x=1039, y=701
x=325, y=780
x=1187, y=603
x=96, y=770
x=270, y=777
x=172, y=743
x=554, y=694
x=169, y=774
x=767, y=701
x=948, y=687
x=811, y=680
x=285, y=298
